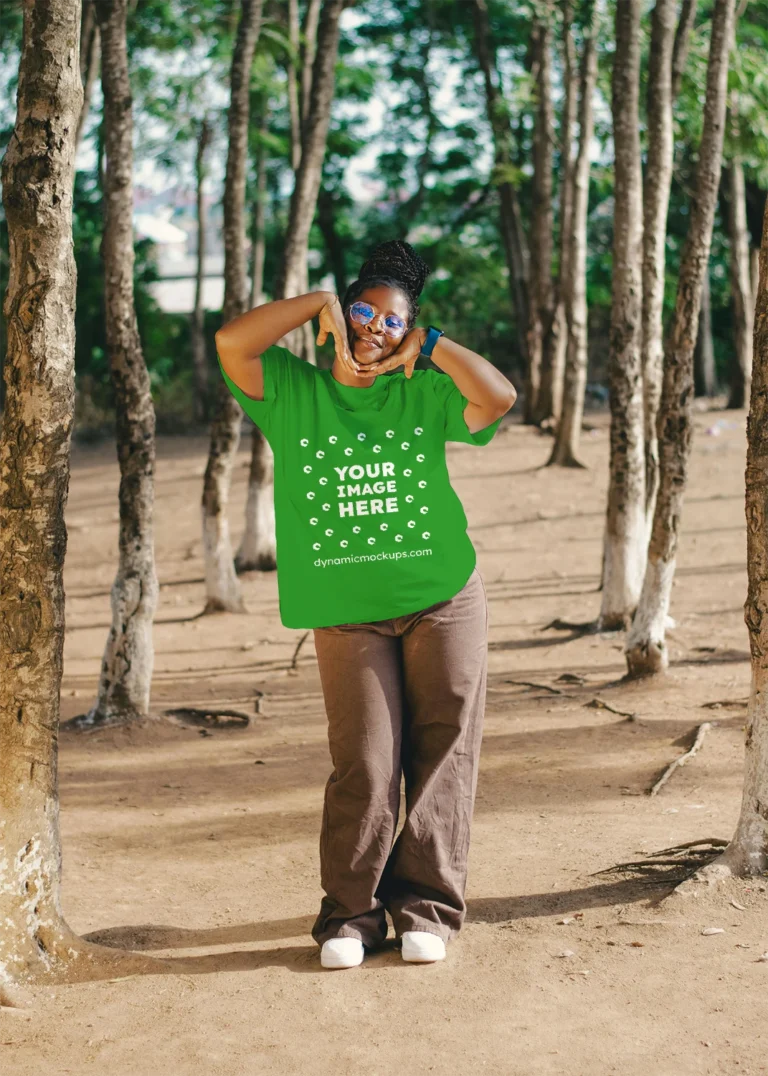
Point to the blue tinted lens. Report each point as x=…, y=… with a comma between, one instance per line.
x=362, y=313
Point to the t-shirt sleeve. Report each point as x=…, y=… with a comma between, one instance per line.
x=282, y=372
x=452, y=401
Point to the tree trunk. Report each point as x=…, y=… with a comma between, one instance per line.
x=646, y=649
x=704, y=355
x=291, y=278
x=292, y=88
x=34, y=477
x=656, y=190
x=541, y=336
x=512, y=232
x=307, y=53
x=258, y=215
x=199, y=351
x=625, y=532
x=258, y=548
x=222, y=587
x=567, y=125
x=90, y=58
x=566, y=449
x=334, y=246
x=741, y=288
x=35, y=942
x=748, y=851
x=126, y=668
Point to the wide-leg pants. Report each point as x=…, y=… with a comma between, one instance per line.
x=404, y=696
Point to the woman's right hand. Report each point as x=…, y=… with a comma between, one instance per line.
x=332, y=321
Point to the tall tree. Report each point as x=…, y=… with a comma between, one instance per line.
x=126, y=668
x=541, y=325
x=747, y=852
x=625, y=531
x=574, y=281
x=646, y=650
x=742, y=303
x=36, y=943
x=704, y=355
x=222, y=586
x=513, y=235
x=90, y=58
x=199, y=350
x=257, y=548
x=667, y=48
x=553, y=378
x=34, y=478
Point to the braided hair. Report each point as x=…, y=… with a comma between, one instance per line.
x=394, y=264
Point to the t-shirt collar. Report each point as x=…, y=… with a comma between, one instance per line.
x=359, y=397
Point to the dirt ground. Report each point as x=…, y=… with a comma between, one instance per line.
x=204, y=848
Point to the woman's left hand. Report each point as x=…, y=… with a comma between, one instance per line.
x=406, y=355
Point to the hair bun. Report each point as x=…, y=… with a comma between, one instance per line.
x=398, y=260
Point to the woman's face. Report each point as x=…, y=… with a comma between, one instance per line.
x=370, y=343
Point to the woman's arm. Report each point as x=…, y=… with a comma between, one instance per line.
x=241, y=341
x=489, y=393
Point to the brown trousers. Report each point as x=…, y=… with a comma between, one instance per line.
x=403, y=696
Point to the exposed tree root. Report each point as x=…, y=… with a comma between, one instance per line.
x=293, y=667
x=72, y=959
x=585, y=627
x=530, y=683
x=701, y=732
x=600, y=704
x=672, y=866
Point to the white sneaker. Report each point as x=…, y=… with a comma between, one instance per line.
x=341, y=953
x=422, y=947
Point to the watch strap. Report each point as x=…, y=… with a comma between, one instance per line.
x=433, y=335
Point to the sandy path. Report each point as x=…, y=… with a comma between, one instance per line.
x=204, y=848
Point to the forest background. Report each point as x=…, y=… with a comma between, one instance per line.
x=409, y=154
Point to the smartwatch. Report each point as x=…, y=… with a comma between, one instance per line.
x=433, y=335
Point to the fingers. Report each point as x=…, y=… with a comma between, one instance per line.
x=322, y=336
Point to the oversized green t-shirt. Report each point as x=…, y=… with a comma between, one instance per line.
x=367, y=523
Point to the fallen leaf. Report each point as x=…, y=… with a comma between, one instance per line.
x=736, y=904
x=566, y=953
x=708, y=931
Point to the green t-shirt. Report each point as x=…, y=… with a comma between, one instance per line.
x=367, y=523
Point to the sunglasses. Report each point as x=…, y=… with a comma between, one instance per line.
x=362, y=313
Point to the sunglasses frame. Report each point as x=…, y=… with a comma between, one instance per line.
x=361, y=320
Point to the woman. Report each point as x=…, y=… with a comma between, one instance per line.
x=374, y=556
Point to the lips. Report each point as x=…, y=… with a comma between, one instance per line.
x=370, y=345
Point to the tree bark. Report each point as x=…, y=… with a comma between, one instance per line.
x=747, y=852
x=223, y=592
x=567, y=124
x=259, y=214
x=199, y=351
x=334, y=245
x=512, y=232
x=307, y=52
x=290, y=279
x=656, y=191
x=258, y=546
x=128, y=660
x=90, y=58
x=646, y=649
x=38, y=170
x=34, y=476
x=541, y=336
x=704, y=355
x=566, y=449
x=624, y=544
x=741, y=288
